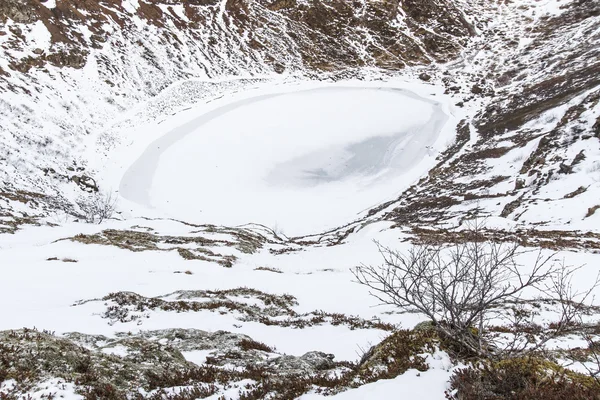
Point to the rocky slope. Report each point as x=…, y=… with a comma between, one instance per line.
x=529, y=149
x=507, y=64
x=118, y=54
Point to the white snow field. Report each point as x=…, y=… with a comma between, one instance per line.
x=42, y=293
x=300, y=159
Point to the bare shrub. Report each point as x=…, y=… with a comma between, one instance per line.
x=97, y=208
x=594, y=168
x=462, y=288
x=588, y=358
x=594, y=348
x=249, y=344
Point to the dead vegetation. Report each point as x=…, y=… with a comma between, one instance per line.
x=461, y=289
x=270, y=310
x=197, y=245
x=29, y=356
x=97, y=207
x=592, y=210
x=66, y=259
x=521, y=379
x=269, y=269
x=11, y=220
x=532, y=238
x=422, y=207
x=314, y=41
x=576, y=192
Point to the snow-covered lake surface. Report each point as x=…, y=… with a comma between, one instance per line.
x=301, y=161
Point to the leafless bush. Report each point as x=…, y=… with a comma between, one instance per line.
x=588, y=358
x=463, y=287
x=594, y=168
x=97, y=208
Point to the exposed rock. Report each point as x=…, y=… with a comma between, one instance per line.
x=86, y=183
x=519, y=184
x=425, y=77
x=577, y=192
x=425, y=326
x=510, y=207
x=308, y=363
x=592, y=210
x=317, y=28
x=30, y=357
x=476, y=89
x=73, y=59
x=226, y=348
x=578, y=158
x=565, y=169
x=399, y=352
x=536, y=99
x=596, y=128
x=279, y=68
x=19, y=11
x=118, y=367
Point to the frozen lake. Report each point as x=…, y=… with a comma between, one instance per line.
x=301, y=161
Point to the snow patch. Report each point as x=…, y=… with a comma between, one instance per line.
x=131, y=6
x=49, y=3
x=197, y=357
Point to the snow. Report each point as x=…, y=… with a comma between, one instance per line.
x=413, y=384
x=179, y=10
x=52, y=388
x=49, y=3
x=130, y=6
x=326, y=153
x=152, y=274
x=197, y=356
x=39, y=36
x=117, y=351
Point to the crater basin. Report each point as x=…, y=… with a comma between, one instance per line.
x=300, y=162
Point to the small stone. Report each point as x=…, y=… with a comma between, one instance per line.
x=565, y=169
x=520, y=184
x=476, y=89
x=425, y=77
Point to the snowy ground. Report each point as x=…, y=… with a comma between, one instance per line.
x=299, y=158
x=45, y=292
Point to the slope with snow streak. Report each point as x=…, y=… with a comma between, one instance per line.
x=280, y=159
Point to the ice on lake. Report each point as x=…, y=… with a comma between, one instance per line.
x=303, y=161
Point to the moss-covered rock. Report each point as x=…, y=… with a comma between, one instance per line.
x=29, y=357
x=399, y=352
x=520, y=379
